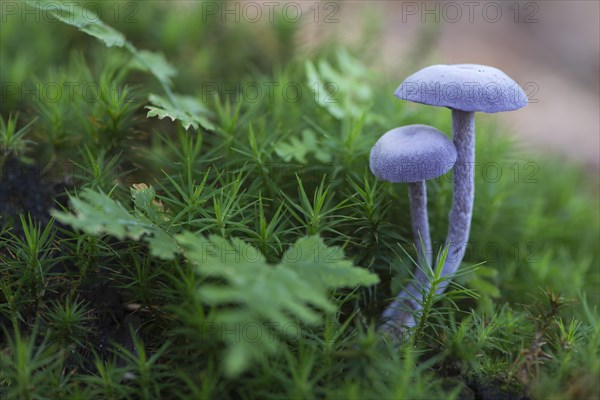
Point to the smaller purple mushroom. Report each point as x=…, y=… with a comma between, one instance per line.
x=412, y=154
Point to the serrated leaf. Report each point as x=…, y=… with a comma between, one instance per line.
x=162, y=245
x=155, y=63
x=325, y=266
x=322, y=97
x=341, y=90
x=106, y=33
x=84, y=19
x=96, y=213
x=299, y=149
x=294, y=149
x=143, y=196
x=277, y=300
x=187, y=110
x=146, y=205
x=292, y=293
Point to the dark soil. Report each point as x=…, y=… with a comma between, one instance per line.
x=24, y=190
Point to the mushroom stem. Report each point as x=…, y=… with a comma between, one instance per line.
x=459, y=224
x=417, y=194
x=399, y=314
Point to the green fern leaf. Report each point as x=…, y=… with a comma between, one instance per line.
x=298, y=149
x=84, y=19
x=261, y=302
x=96, y=213
x=185, y=109
x=154, y=63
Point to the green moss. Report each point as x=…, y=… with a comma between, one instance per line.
x=98, y=312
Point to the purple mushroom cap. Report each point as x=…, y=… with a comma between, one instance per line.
x=412, y=153
x=465, y=87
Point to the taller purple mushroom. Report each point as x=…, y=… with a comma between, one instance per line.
x=465, y=89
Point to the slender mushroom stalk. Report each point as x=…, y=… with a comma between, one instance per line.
x=459, y=225
x=465, y=89
x=417, y=196
x=399, y=313
x=412, y=154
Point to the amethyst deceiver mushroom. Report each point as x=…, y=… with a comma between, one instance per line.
x=412, y=154
x=465, y=89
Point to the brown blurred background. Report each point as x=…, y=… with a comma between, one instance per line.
x=552, y=48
